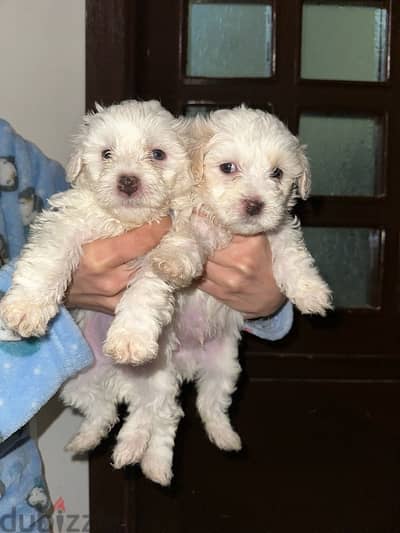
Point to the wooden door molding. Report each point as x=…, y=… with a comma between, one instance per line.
x=110, y=50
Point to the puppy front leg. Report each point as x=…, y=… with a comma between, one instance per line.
x=146, y=306
x=41, y=278
x=183, y=252
x=178, y=259
x=295, y=272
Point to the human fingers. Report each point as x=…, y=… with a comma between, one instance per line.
x=103, y=254
x=94, y=302
x=229, y=279
x=245, y=253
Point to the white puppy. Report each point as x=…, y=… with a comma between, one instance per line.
x=248, y=170
x=129, y=168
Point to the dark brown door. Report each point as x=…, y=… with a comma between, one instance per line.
x=318, y=410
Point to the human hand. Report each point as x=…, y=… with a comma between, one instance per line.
x=104, y=270
x=240, y=275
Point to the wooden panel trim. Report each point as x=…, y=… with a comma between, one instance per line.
x=110, y=51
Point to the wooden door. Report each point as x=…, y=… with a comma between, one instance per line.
x=318, y=410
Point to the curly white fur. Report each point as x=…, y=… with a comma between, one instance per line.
x=201, y=342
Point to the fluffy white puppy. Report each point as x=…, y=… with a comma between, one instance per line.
x=248, y=171
x=128, y=168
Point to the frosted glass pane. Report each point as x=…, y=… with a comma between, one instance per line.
x=229, y=40
x=343, y=42
x=348, y=260
x=345, y=153
x=193, y=110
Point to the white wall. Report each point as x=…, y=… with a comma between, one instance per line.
x=43, y=70
x=42, y=51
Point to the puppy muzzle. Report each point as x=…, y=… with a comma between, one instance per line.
x=128, y=184
x=253, y=207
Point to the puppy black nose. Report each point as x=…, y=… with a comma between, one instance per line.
x=128, y=184
x=254, y=207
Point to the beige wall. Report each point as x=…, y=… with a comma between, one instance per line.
x=42, y=47
x=42, y=70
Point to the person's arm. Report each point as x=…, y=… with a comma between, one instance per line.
x=33, y=369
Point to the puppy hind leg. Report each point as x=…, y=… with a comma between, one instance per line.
x=215, y=384
x=100, y=415
x=133, y=437
x=157, y=460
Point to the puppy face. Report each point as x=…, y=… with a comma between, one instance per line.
x=131, y=158
x=247, y=165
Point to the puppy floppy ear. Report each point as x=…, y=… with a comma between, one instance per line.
x=201, y=133
x=74, y=165
x=304, y=180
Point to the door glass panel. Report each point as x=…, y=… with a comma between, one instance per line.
x=229, y=40
x=344, y=42
x=348, y=259
x=192, y=110
x=345, y=153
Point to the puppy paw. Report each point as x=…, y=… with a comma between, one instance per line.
x=129, y=451
x=224, y=437
x=315, y=298
x=179, y=271
x=83, y=442
x=157, y=469
x=125, y=349
x=25, y=317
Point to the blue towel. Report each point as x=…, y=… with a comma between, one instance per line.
x=32, y=370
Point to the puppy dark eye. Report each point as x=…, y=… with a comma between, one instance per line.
x=158, y=154
x=228, y=168
x=276, y=173
x=106, y=154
